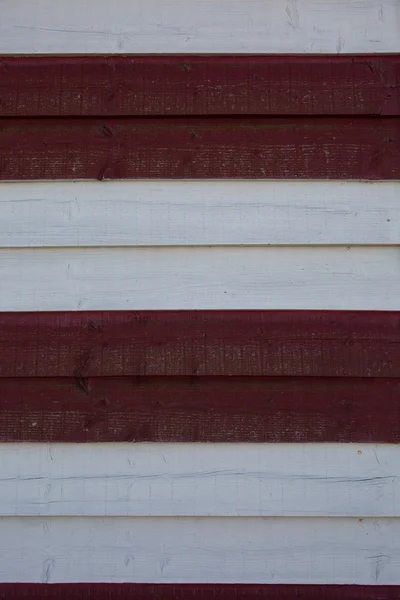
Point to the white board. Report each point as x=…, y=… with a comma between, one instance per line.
x=196, y=213
x=357, y=278
x=200, y=550
x=205, y=26
x=154, y=479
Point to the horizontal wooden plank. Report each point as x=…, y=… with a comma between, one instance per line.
x=200, y=550
x=201, y=278
x=190, y=85
x=199, y=480
x=143, y=591
x=176, y=343
x=197, y=213
x=200, y=409
x=200, y=148
x=187, y=26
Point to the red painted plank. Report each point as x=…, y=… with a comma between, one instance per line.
x=264, y=148
x=200, y=409
x=199, y=85
x=113, y=591
x=194, y=343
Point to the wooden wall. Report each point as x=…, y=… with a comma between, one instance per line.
x=199, y=304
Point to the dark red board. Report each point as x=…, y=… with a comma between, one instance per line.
x=184, y=148
x=200, y=409
x=200, y=343
x=105, y=591
x=199, y=85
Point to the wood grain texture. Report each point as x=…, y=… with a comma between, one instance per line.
x=200, y=148
x=200, y=409
x=88, y=86
x=201, y=278
x=142, y=591
x=200, y=550
x=187, y=26
x=199, y=480
x=197, y=213
x=190, y=343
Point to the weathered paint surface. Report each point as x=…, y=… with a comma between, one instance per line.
x=199, y=480
x=190, y=343
x=200, y=550
x=197, y=514
x=201, y=278
x=199, y=85
x=203, y=409
x=189, y=26
x=199, y=213
x=200, y=148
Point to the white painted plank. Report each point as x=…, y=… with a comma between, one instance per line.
x=207, y=26
x=358, y=278
x=223, y=480
x=200, y=550
x=184, y=213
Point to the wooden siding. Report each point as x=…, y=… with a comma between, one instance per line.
x=300, y=484
x=200, y=550
x=199, y=480
x=211, y=27
x=199, y=213
x=87, y=86
x=202, y=278
x=200, y=376
x=142, y=591
x=200, y=343
x=200, y=148
x=204, y=409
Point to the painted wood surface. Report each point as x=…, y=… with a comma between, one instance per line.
x=142, y=591
x=200, y=409
x=200, y=550
x=197, y=278
x=190, y=343
x=200, y=148
x=187, y=26
x=199, y=480
x=199, y=85
x=196, y=213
